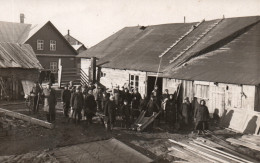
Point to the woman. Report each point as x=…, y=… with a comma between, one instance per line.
x=171, y=111
x=201, y=117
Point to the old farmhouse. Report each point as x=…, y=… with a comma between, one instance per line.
x=214, y=60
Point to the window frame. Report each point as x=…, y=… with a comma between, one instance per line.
x=40, y=44
x=53, y=45
x=54, y=67
x=135, y=81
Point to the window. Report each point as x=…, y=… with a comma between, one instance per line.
x=40, y=44
x=54, y=67
x=134, y=81
x=202, y=91
x=102, y=74
x=52, y=45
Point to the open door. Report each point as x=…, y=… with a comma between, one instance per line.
x=151, y=83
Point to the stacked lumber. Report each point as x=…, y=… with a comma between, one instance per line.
x=203, y=150
x=249, y=141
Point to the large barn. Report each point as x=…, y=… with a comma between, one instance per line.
x=215, y=60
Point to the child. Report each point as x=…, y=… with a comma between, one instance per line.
x=126, y=113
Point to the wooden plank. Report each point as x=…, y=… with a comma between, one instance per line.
x=211, y=158
x=185, y=154
x=27, y=118
x=242, y=143
x=226, y=147
x=210, y=154
x=225, y=154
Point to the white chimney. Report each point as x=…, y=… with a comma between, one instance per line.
x=22, y=18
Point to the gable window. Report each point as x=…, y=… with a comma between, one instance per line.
x=54, y=67
x=134, y=81
x=52, y=45
x=40, y=44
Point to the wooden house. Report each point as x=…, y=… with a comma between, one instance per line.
x=49, y=45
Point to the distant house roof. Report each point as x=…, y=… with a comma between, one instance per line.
x=137, y=48
x=13, y=55
x=237, y=62
x=20, y=32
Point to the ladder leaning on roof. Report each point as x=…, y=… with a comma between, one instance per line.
x=173, y=45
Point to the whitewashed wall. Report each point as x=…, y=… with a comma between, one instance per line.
x=116, y=77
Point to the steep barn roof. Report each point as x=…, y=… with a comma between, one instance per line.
x=13, y=55
x=139, y=48
x=237, y=62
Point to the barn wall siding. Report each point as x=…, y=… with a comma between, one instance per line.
x=12, y=79
x=114, y=77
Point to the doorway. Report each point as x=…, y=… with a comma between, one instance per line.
x=150, y=85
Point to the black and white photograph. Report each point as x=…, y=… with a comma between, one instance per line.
x=129, y=81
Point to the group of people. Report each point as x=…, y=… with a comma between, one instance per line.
x=124, y=105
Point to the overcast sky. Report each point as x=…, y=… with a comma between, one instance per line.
x=91, y=21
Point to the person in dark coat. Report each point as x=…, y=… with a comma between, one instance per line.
x=201, y=117
x=152, y=107
x=164, y=99
x=171, y=111
x=71, y=87
x=90, y=106
x=35, y=93
x=65, y=99
x=110, y=113
x=135, y=104
x=77, y=102
x=186, y=111
x=126, y=113
x=127, y=96
x=50, y=102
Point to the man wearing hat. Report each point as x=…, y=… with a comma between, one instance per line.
x=98, y=96
x=50, y=102
x=77, y=101
x=65, y=99
x=110, y=113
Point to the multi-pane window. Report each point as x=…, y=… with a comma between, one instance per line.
x=54, y=67
x=40, y=44
x=202, y=91
x=134, y=81
x=52, y=45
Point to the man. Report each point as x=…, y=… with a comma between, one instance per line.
x=201, y=117
x=98, y=96
x=126, y=113
x=152, y=107
x=127, y=96
x=90, y=106
x=171, y=111
x=186, y=111
x=50, y=102
x=35, y=93
x=77, y=105
x=110, y=113
x=165, y=97
x=136, y=100
x=65, y=98
x=71, y=87
x=118, y=96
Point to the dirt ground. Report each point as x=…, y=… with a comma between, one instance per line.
x=39, y=141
